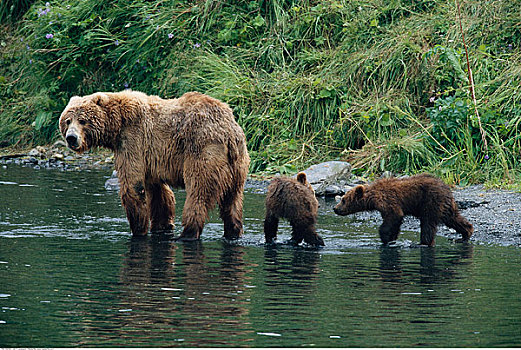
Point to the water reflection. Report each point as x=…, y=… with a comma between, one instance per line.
x=186, y=291
x=448, y=266
x=73, y=276
x=431, y=269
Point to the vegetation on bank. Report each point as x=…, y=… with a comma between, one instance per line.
x=382, y=84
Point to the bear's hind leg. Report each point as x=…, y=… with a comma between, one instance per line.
x=231, y=214
x=201, y=197
x=195, y=213
x=461, y=225
x=306, y=231
x=297, y=233
x=271, y=224
x=428, y=231
x=162, y=207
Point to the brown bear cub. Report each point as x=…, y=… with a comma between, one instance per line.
x=295, y=201
x=423, y=196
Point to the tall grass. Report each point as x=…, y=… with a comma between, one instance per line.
x=382, y=84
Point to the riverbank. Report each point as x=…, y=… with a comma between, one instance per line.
x=495, y=213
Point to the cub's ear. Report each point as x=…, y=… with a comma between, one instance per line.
x=301, y=177
x=100, y=98
x=359, y=191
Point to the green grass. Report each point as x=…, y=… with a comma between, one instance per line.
x=382, y=84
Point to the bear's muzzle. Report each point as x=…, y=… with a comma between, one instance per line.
x=72, y=140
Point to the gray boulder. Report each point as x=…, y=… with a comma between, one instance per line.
x=329, y=178
x=112, y=183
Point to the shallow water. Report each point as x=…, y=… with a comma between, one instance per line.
x=71, y=276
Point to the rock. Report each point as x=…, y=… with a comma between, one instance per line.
x=386, y=174
x=112, y=183
x=332, y=190
x=34, y=153
x=59, y=144
x=470, y=204
x=57, y=156
x=327, y=178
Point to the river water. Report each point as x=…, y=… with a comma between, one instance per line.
x=72, y=276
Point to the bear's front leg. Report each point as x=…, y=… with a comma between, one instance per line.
x=271, y=224
x=134, y=202
x=390, y=228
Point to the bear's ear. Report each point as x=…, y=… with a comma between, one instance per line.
x=100, y=98
x=301, y=177
x=359, y=191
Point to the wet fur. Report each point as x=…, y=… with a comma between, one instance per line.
x=423, y=196
x=294, y=200
x=192, y=142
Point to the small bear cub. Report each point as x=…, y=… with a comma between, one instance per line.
x=295, y=201
x=423, y=196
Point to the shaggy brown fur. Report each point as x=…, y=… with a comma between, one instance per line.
x=422, y=196
x=295, y=201
x=192, y=142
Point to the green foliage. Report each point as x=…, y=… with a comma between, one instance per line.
x=448, y=117
x=381, y=83
x=12, y=10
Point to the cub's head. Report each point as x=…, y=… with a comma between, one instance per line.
x=301, y=178
x=84, y=120
x=352, y=202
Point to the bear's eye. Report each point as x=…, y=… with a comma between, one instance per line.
x=68, y=121
x=82, y=122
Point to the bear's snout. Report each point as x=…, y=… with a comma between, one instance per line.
x=72, y=140
x=338, y=210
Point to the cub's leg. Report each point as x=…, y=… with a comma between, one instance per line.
x=390, y=228
x=271, y=224
x=428, y=231
x=461, y=225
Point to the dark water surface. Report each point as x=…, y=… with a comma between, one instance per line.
x=71, y=276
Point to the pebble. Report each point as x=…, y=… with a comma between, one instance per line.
x=58, y=156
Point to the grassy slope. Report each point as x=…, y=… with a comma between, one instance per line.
x=380, y=83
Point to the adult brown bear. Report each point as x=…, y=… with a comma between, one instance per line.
x=423, y=196
x=192, y=142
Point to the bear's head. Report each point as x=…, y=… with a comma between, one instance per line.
x=301, y=178
x=84, y=121
x=352, y=202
